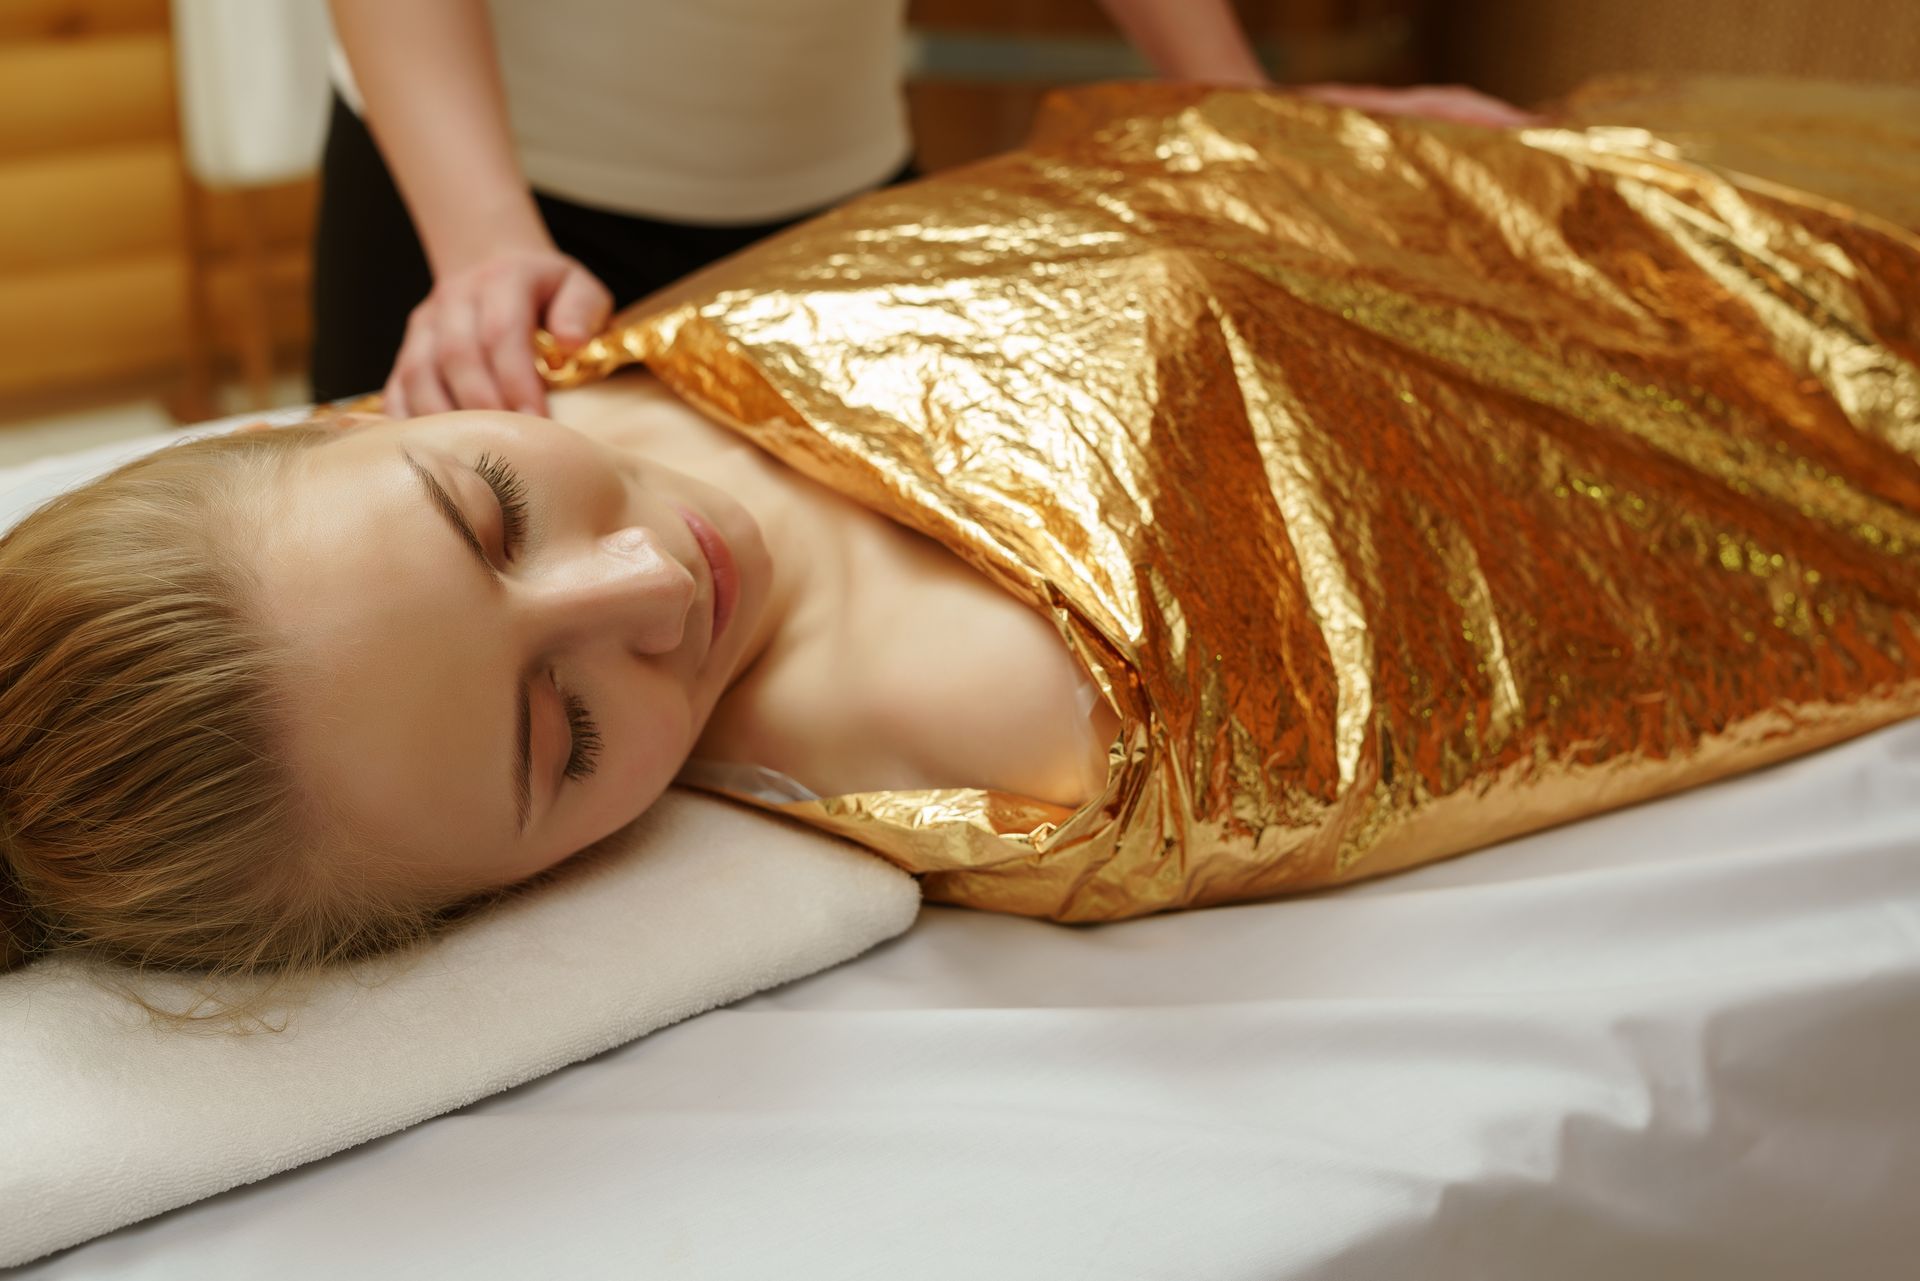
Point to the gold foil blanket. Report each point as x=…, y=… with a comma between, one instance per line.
x=1405, y=486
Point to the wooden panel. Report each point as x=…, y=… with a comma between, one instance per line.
x=57, y=94
x=284, y=298
x=1027, y=16
x=957, y=123
x=1089, y=17
x=256, y=276
x=1525, y=50
x=110, y=202
x=963, y=106
x=283, y=214
x=111, y=321
x=74, y=19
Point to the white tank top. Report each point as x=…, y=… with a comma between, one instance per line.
x=706, y=111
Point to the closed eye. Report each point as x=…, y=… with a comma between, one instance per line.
x=511, y=493
x=585, y=736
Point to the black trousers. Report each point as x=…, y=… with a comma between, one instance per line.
x=370, y=270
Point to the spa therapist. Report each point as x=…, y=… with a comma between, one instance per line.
x=539, y=164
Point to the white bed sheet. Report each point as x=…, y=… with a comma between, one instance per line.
x=1678, y=1041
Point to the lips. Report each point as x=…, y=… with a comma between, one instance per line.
x=726, y=575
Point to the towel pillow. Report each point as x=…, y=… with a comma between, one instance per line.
x=108, y=1119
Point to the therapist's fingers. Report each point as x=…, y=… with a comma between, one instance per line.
x=1467, y=106
x=506, y=333
x=469, y=345
x=423, y=393
x=1455, y=103
x=465, y=366
x=580, y=307
x=414, y=387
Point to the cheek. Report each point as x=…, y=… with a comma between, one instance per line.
x=645, y=734
x=646, y=741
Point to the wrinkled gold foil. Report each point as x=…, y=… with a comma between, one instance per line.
x=1405, y=486
x=1855, y=144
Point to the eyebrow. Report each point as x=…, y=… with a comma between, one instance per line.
x=522, y=778
x=450, y=511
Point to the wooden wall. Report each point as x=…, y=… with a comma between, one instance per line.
x=962, y=115
x=1530, y=50
x=94, y=267
x=119, y=277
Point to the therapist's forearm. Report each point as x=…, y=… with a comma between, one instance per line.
x=430, y=79
x=1190, y=39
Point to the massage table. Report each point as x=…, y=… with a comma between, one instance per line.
x=1679, y=1040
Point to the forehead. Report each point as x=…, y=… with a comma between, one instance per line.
x=401, y=707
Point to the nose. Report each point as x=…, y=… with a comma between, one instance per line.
x=624, y=588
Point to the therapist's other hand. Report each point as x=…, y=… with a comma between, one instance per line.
x=469, y=345
x=1429, y=102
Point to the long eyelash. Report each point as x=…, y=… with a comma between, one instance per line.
x=511, y=493
x=586, y=740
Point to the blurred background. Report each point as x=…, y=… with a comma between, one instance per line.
x=154, y=269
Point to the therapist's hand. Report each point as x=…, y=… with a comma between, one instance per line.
x=1456, y=103
x=470, y=344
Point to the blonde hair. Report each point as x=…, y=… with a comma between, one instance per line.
x=148, y=812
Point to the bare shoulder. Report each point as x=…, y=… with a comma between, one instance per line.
x=623, y=393
x=635, y=410
x=978, y=689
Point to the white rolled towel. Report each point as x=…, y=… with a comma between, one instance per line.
x=253, y=88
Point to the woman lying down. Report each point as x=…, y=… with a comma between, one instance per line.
x=1226, y=495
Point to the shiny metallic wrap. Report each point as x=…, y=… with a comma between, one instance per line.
x=1405, y=486
x=1856, y=144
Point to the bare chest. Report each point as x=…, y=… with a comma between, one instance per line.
x=933, y=677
